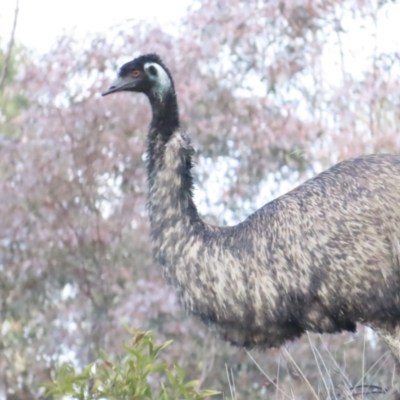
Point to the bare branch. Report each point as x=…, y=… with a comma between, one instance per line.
x=6, y=65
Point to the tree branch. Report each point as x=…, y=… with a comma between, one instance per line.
x=6, y=65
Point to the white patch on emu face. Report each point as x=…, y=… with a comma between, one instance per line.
x=161, y=80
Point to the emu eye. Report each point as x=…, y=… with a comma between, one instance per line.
x=135, y=73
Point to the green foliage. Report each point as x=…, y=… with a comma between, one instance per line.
x=12, y=100
x=133, y=376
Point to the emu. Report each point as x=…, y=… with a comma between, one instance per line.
x=320, y=258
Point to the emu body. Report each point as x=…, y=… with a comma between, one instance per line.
x=320, y=258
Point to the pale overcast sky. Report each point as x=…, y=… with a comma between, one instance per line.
x=41, y=20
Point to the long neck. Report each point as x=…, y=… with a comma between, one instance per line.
x=173, y=215
x=165, y=119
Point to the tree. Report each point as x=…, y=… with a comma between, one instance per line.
x=10, y=103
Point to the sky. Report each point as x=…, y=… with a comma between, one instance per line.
x=41, y=20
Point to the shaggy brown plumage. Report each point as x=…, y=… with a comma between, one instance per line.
x=320, y=258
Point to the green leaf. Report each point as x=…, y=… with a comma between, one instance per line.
x=171, y=378
x=162, y=347
x=207, y=393
x=192, y=384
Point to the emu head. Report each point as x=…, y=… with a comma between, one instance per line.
x=145, y=74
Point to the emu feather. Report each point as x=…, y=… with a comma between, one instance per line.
x=320, y=258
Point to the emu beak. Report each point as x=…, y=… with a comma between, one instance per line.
x=118, y=85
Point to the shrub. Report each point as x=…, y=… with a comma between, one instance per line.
x=131, y=376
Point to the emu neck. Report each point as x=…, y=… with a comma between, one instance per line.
x=173, y=214
x=165, y=119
